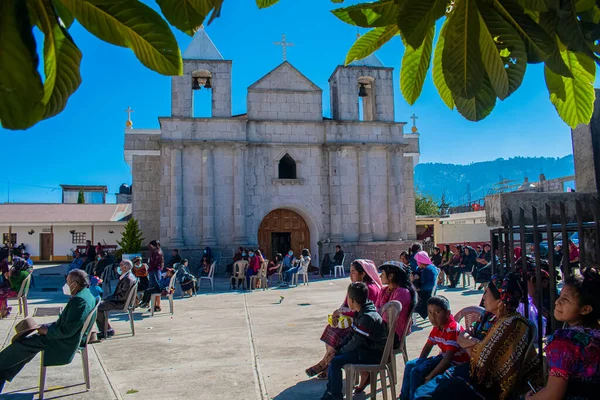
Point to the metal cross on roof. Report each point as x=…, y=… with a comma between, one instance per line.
x=129, y=124
x=284, y=45
x=414, y=118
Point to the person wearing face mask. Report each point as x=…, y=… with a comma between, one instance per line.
x=254, y=260
x=116, y=301
x=59, y=341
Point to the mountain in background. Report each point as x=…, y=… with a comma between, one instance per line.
x=457, y=180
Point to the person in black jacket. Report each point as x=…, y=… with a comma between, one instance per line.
x=364, y=344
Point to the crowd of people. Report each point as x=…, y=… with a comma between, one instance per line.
x=493, y=358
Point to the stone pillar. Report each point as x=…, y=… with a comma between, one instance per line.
x=208, y=197
x=364, y=204
x=586, y=152
x=239, y=194
x=409, y=218
x=177, y=196
x=394, y=191
x=335, y=194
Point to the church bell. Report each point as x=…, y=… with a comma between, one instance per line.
x=207, y=85
x=362, y=91
x=196, y=83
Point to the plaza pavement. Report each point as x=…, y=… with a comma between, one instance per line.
x=217, y=345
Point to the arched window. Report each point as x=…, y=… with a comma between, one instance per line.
x=366, y=99
x=287, y=167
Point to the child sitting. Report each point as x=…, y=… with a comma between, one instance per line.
x=573, y=353
x=96, y=288
x=363, y=345
x=445, y=335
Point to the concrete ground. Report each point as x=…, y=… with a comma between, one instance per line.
x=217, y=345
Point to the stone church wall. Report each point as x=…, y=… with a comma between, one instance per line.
x=146, y=171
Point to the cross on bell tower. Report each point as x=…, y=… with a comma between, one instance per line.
x=284, y=45
x=129, y=123
x=414, y=127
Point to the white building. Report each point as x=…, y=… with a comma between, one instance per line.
x=50, y=231
x=281, y=176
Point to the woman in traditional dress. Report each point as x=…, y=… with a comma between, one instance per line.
x=15, y=276
x=360, y=271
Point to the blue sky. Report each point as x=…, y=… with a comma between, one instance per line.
x=84, y=144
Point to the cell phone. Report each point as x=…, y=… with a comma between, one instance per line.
x=531, y=386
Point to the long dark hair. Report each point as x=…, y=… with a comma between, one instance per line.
x=359, y=268
x=305, y=253
x=446, y=253
x=401, y=277
x=587, y=287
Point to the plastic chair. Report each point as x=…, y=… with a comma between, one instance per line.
x=170, y=291
x=85, y=331
x=466, y=276
x=22, y=296
x=471, y=314
x=127, y=308
x=261, y=276
x=239, y=273
x=402, y=350
x=279, y=273
x=385, y=368
x=340, y=268
x=210, y=277
x=304, y=277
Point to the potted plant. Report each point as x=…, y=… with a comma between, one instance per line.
x=131, y=240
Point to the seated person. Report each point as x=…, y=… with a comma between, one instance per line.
x=116, y=301
x=175, y=259
x=140, y=271
x=428, y=281
x=77, y=263
x=499, y=358
x=205, y=266
x=573, y=353
x=104, y=260
x=300, y=267
x=15, y=277
x=96, y=288
x=275, y=264
x=59, y=340
x=364, y=344
x=186, y=279
x=360, y=271
x=288, y=261
x=162, y=288
x=445, y=335
x=482, y=272
x=236, y=257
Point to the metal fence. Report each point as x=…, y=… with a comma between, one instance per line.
x=537, y=242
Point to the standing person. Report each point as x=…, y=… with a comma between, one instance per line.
x=428, y=279
x=99, y=248
x=573, y=352
x=116, y=301
x=446, y=266
x=175, y=258
x=90, y=252
x=60, y=340
x=573, y=257
x=360, y=271
x=365, y=343
x=157, y=263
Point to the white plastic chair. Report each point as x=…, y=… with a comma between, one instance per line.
x=385, y=368
x=261, y=276
x=89, y=320
x=304, y=277
x=127, y=308
x=22, y=296
x=471, y=314
x=402, y=350
x=239, y=273
x=170, y=291
x=340, y=268
x=210, y=277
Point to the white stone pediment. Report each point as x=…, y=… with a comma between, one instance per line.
x=285, y=77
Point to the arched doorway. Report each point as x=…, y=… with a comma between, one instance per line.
x=282, y=230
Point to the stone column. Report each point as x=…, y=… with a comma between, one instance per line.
x=208, y=197
x=394, y=189
x=409, y=223
x=239, y=194
x=177, y=196
x=335, y=194
x=364, y=204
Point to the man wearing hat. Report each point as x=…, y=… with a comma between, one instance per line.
x=58, y=340
x=116, y=301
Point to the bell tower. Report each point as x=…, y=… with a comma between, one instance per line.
x=204, y=69
x=362, y=91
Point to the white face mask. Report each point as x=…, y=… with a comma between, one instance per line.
x=67, y=289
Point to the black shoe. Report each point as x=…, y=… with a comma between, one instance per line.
x=110, y=333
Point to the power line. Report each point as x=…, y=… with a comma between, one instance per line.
x=28, y=185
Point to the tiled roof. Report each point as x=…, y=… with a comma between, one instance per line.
x=19, y=213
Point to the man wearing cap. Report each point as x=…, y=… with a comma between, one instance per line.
x=58, y=340
x=117, y=300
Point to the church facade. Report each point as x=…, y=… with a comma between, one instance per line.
x=280, y=176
